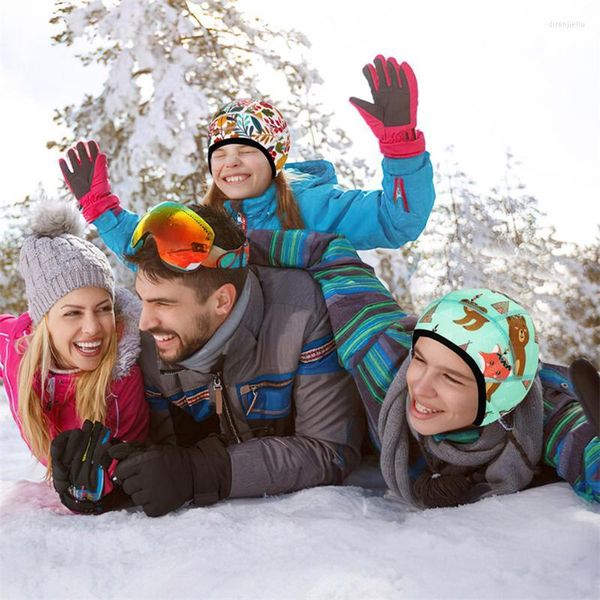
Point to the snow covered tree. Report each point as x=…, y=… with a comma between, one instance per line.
x=170, y=64
x=501, y=240
x=577, y=330
x=529, y=269
x=15, y=224
x=452, y=251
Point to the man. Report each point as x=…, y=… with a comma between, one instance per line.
x=240, y=368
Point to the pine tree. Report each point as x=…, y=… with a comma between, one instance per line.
x=170, y=64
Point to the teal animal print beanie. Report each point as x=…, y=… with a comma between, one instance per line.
x=495, y=336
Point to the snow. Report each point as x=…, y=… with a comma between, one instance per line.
x=330, y=542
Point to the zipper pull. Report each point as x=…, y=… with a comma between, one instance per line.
x=218, y=388
x=253, y=389
x=49, y=395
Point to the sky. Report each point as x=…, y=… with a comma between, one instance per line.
x=517, y=76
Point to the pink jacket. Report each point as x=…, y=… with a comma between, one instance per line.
x=127, y=410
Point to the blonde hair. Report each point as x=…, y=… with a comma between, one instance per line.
x=91, y=390
x=287, y=207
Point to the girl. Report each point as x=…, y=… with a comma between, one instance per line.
x=72, y=355
x=455, y=400
x=248, y=146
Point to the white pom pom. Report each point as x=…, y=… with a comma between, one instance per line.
x=52, y=218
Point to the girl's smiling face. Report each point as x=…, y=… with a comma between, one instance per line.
x=240, y=171
x=81, y=325
x=443, y=393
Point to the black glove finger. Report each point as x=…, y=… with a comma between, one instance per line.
x=73, y=447
x=372, y=109
x=124, y=450
x=58, y=446
x=402, y=76
x=379, y=63
x=90, y=470
x=73, y=159
x=93, y=150
x=67, y=173
x=586, y=382
x=132, y=465
x=371, y=77
x=133, y=486
x=97, y=428
x=156, y=509
x=392, y=70
x=60, y=471
x=79, y=451
x=100, y=455
x=84, y=158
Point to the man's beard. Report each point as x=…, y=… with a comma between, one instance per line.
x=191, y=344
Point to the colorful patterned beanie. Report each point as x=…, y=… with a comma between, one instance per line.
x=495, y=336
x=254, y=123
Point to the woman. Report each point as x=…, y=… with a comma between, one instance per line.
x=72, y=355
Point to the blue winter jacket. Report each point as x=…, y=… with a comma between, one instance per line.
x=386, y=218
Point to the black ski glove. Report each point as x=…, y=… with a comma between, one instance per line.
x=436, y=490
x=161, y=479
x=79, y=461
x=586, y=382
x=82, y=160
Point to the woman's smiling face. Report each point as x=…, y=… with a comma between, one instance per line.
x=81, y=325
x=443, y=393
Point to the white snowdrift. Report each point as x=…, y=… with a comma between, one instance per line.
x=330, y=543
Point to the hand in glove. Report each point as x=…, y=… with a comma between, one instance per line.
x=586, y=382
x=393, y=114
x=161, y=479
x=88, y=180
x=79, y=461
x=436, y=490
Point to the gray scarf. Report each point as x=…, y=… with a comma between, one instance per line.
x=502, y=460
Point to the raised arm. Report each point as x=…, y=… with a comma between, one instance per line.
x=86, y=175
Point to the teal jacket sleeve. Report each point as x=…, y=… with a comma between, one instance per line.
x=385, y=218
x=116, y=230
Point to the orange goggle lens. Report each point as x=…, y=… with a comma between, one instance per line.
x=184, y=240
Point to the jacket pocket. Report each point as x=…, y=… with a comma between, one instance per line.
x=269, y=397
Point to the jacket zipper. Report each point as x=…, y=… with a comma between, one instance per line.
x=222, y=405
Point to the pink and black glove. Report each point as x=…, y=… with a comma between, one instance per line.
x=393, y=114
x=88, y=180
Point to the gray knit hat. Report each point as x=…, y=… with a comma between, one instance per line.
x=56, y=260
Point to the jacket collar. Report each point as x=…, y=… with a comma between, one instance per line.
x=261, y=207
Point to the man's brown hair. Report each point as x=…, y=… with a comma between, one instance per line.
x=204, y=281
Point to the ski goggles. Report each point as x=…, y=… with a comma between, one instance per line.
x=184, y=240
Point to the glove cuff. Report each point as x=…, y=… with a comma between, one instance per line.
x=211, y=467
x=398, y=144
x=92, y=206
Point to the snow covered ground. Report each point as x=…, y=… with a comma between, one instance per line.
x=330, y=543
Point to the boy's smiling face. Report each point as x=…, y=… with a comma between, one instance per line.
x=443, y=394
